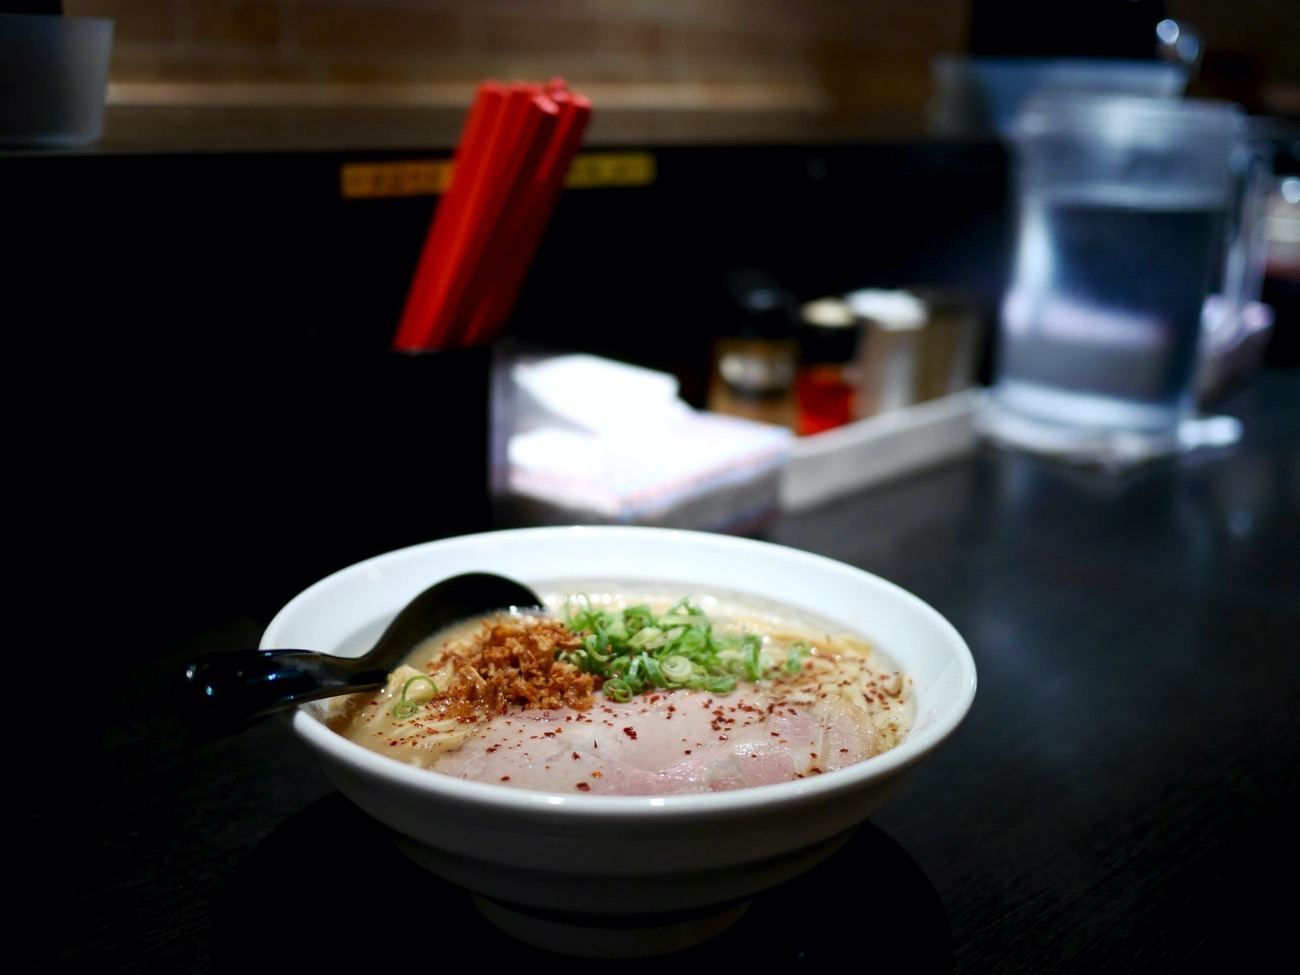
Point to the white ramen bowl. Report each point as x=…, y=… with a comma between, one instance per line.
x=625, y=876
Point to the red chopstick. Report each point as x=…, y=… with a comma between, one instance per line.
x=508, y=168
x=486, y=170
x=429, y=281
x=512, y=155
x=529, y=218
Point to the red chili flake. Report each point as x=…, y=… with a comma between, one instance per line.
x=722, y=737
x=686, y=752
x=492, y=748
x=630, y=732
x=774, y=733
x=505, y=778
x=583, y=787
x=575, y=756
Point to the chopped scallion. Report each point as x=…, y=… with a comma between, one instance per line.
x=634, y=650
x=406, y=707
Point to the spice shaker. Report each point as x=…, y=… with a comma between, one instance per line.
x=827, y=383
x=893, y=324
x=947, y=362
x=756, y=353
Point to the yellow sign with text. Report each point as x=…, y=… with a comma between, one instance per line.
x=360, y=181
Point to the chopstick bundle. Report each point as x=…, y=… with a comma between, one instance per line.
x=509, y=170
x=526, y=222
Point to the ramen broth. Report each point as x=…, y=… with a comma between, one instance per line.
x=489, y=700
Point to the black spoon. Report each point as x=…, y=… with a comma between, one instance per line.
x=222, y=693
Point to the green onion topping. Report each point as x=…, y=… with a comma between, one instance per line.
x=405, y=707
x=634, y=650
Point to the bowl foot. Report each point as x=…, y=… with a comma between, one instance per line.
x=609, y=936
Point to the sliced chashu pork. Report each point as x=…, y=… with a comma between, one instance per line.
x=664, y=743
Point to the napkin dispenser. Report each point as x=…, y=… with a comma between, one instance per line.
x=599, y=441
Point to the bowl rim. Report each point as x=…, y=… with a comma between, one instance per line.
x=770, y=798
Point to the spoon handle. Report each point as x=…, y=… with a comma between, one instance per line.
x=223, y=692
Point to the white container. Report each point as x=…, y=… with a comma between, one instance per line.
x=53, y=79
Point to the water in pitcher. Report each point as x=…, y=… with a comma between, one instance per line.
x=1103, y=317
x=1103, y=320
x=1121, y=203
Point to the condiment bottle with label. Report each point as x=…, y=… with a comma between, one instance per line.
x=756, y=353
x=893, y=323
x=827, y=383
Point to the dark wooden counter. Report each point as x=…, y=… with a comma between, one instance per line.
x=1121, y=798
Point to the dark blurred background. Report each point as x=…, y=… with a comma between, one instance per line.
x=207, y=306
